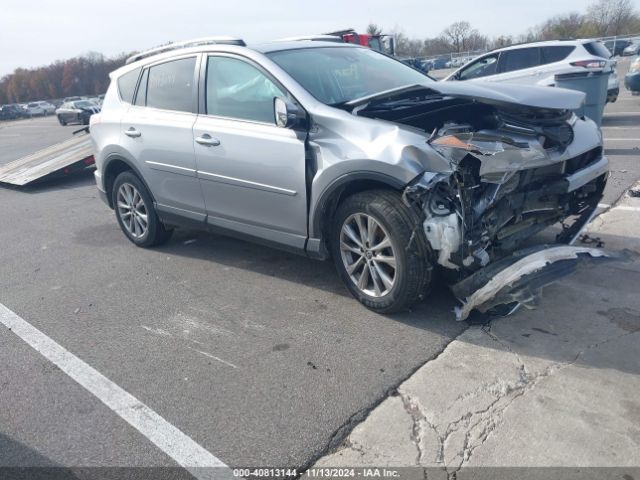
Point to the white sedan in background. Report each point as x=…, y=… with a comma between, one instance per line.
x=41, y=108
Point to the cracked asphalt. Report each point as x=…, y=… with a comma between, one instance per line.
x=260, y=356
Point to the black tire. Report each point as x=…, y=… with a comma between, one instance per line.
x=414, y=258
x=61, y=121
x=156, y=232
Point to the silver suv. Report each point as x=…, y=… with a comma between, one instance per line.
x=334, y=150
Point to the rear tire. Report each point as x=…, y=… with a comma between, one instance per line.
x=135, y=212
x=398, y=274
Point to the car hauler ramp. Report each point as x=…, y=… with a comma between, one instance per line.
x=57, y=160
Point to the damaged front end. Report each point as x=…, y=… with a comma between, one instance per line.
x=510, y=178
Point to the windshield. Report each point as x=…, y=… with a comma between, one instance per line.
x=336, y=75
x=83, y=104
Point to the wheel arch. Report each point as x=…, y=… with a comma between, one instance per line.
x=114, y=165
x=341, y=188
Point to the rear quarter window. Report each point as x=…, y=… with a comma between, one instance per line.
x=127, y=85
x=556, y=53
x=597, y=49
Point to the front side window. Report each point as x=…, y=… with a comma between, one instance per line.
x=519, y=59
x=480, y=68
x=336, y=75
x=236, y=89
x=170, y=85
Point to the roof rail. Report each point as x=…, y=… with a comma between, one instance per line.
x=315, y=38
x=196, y=42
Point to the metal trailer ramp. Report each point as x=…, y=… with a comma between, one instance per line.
x=57, y=160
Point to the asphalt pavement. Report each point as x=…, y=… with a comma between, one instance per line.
x=23, y=137
x=261, y=357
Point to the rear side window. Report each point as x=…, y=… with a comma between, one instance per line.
x=170, y=85
x=519, y=59
x=555, y=54
x=127, y=85
x=597, y=49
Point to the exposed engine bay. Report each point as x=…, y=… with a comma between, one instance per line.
x=509, y=179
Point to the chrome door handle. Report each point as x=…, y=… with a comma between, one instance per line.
x=207, y=140
x=132, y=132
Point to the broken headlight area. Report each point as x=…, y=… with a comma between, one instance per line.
x=501, y=192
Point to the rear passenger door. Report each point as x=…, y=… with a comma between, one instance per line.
x=252, y=172
x=519, y=65
x=157, y=131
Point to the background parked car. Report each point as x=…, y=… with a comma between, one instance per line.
x=616, y=48
x=41, y=108
x=12, y=112
x=76, y=112
x=632, y=78
x=440, y=62
x=538, y=63
x=633, y=49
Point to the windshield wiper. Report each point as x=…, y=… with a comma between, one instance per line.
x=386, y=94
x=402, y=103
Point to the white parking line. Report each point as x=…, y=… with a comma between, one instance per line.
x=626, y=208
x=622, y=139
x=176, y=444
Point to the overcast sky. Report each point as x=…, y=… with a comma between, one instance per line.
x=37, y=32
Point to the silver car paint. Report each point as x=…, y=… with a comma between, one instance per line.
x=343, y=144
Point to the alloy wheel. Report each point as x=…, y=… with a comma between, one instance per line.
x=367, y=255
x=132, y=210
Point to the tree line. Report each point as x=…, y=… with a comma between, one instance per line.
x=602, y=18
x=84, y=75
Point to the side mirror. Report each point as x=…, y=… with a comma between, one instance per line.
x=286, y=114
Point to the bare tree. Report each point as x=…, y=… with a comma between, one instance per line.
x=458, y=34
x=570, y=25
x=374, y=29
x=611, y=17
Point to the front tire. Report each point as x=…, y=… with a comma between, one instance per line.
x=380, y=251
x=61, y=121
x=135, y=212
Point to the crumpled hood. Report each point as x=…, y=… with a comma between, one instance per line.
x=504, y=93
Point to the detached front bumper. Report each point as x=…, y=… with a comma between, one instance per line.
x=519, y=279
